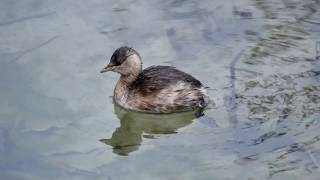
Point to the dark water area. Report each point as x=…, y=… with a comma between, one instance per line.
x=261, y=60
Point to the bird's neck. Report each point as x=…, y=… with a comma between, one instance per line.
x=128, y=79
x=122, y=89
x=123, y=84
x=129, y=74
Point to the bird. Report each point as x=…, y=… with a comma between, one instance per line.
x=156, y=89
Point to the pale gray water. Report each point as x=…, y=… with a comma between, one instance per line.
x=57, y=120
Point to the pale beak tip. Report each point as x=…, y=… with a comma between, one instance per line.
x=103, y=71
x=107, y=68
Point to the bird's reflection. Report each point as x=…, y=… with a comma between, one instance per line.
x=135, y=126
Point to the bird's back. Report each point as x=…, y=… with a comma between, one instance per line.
x=156, y=78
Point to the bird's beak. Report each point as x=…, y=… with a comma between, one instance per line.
x=107, y=68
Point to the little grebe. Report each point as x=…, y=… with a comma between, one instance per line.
x=157, y=89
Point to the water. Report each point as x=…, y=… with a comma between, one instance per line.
x=258, y=57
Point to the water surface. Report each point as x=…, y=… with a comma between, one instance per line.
x=259, y=58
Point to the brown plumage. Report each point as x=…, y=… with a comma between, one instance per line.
x=157, y=89
x=156, y=78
